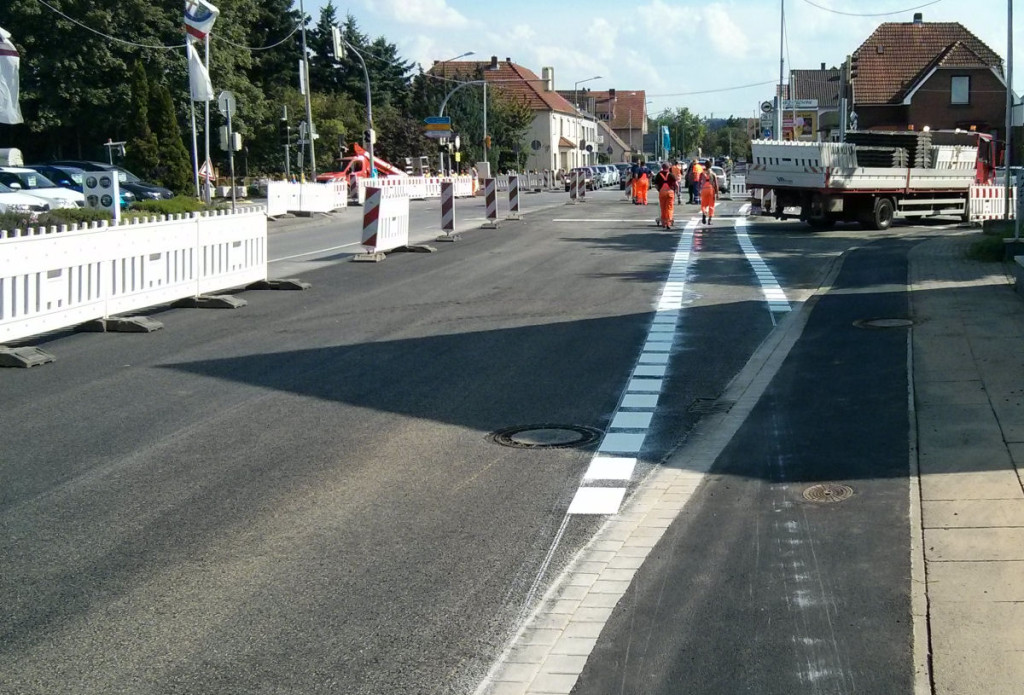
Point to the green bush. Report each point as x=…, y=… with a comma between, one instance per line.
x=53, y=218
x=177, y=205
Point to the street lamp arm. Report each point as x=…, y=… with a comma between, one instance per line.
x=369, y=106
x=452, y=93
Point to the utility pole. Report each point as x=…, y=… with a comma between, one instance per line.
x=309, y=106
x=1009, y=111
x=778, y=97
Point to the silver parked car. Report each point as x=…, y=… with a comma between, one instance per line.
x=723, y=179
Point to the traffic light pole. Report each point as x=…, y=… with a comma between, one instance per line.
x=309, y=88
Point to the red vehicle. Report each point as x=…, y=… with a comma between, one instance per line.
x=357, y=166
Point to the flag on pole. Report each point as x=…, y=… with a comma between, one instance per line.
x=10, y=111
x=199, y=17
x=198, y=78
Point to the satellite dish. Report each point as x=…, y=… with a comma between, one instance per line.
x=590, y=148
x=535, y=145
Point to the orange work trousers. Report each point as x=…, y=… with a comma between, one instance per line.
x=667, y=200
x=707, y=200
x=640, y=188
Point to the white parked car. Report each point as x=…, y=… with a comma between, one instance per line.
x=32, y=182
x=13, y=201
x=723, y=179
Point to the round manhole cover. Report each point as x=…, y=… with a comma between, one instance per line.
x=546, y=436
x=828, y=492
x=883, y=323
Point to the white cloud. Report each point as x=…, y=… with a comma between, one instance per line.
x=430, y=13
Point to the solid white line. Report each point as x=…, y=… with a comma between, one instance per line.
x=773, y=293
x=313, y=253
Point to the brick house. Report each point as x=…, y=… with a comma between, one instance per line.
x=935, y=74
x=624, y=111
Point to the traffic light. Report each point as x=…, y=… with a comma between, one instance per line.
x=282, y=130
x=487, y=140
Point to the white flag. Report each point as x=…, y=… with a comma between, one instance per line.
x=198, y=78
x=199, y=17
x=10, y=63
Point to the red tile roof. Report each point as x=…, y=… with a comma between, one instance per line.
x=898, y=54
x=566, y=142
x=510, y=79
x=618, y=109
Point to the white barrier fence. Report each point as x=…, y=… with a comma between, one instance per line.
x=988, y=203
x=287, y=196
x=737, y=186
x=385, y=219
x=416, y=187
x=61, y=276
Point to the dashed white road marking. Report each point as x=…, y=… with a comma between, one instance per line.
x=773, y=292
x=616, y=455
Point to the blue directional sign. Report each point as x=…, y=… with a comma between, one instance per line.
x=766, y=133
x=435, y=120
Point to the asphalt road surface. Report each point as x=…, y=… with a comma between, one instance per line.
x=303, y=496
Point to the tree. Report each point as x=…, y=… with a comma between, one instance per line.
x=142, y=154
x=175, y=167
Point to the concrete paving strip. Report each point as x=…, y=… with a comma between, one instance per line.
x=571, y=615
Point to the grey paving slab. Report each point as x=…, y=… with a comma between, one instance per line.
x=984, y=485
x=974, y=544
x=973, y=513
x=959, y=392
x=976, y=581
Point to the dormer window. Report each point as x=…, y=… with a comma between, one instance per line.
x=960, y=90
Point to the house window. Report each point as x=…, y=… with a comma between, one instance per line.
x=960, y=90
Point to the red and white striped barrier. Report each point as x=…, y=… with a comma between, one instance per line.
x=491, y=203
x=989, y=203
x=573, y=186
x=581, y=187
x=385, y=222
x=513, y=198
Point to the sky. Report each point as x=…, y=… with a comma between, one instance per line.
x=669, y=49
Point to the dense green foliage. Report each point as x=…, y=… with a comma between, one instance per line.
x=690, y=133
x=80, y=89
x=178, y=205
x=53, y=218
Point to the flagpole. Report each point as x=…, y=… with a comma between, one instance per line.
x=206, y=131
x=192, y=108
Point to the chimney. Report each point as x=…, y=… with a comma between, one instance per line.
x=494, y=63
x=918, y=18
x=611, y=93
x=508, y=60
x=548, y=75
x=823, y=67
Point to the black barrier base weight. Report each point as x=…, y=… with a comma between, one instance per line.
x=121, y=324
x=24, y=357
x=369, y=257
x=283, y=284
x=210, y=301
x=449, y=237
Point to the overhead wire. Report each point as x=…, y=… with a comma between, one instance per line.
x=713, y=91
x=164, y=47
x=872, y=14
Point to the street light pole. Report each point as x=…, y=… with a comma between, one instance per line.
x=369, y=109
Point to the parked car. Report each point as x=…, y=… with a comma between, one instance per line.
x=32, y=182
x=72, y=177
x=623, y=169
x=129, y=181
x=609, y=175
x=723, y=179
x=15, y=201
x=588, y=177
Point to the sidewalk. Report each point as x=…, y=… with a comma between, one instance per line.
x=968, y=351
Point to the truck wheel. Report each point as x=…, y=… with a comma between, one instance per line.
x=818, y=217
x=881, y=218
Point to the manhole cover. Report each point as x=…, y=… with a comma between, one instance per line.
x=883, y=323
x=546, y=436
x=828, y=492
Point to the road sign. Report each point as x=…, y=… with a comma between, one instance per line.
x=766, y=119
x=446, y=120
x=438, y=133
x=226, y=102
x=447, y=127
x=766, y=134
x=766, y=107
x=790, y=104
